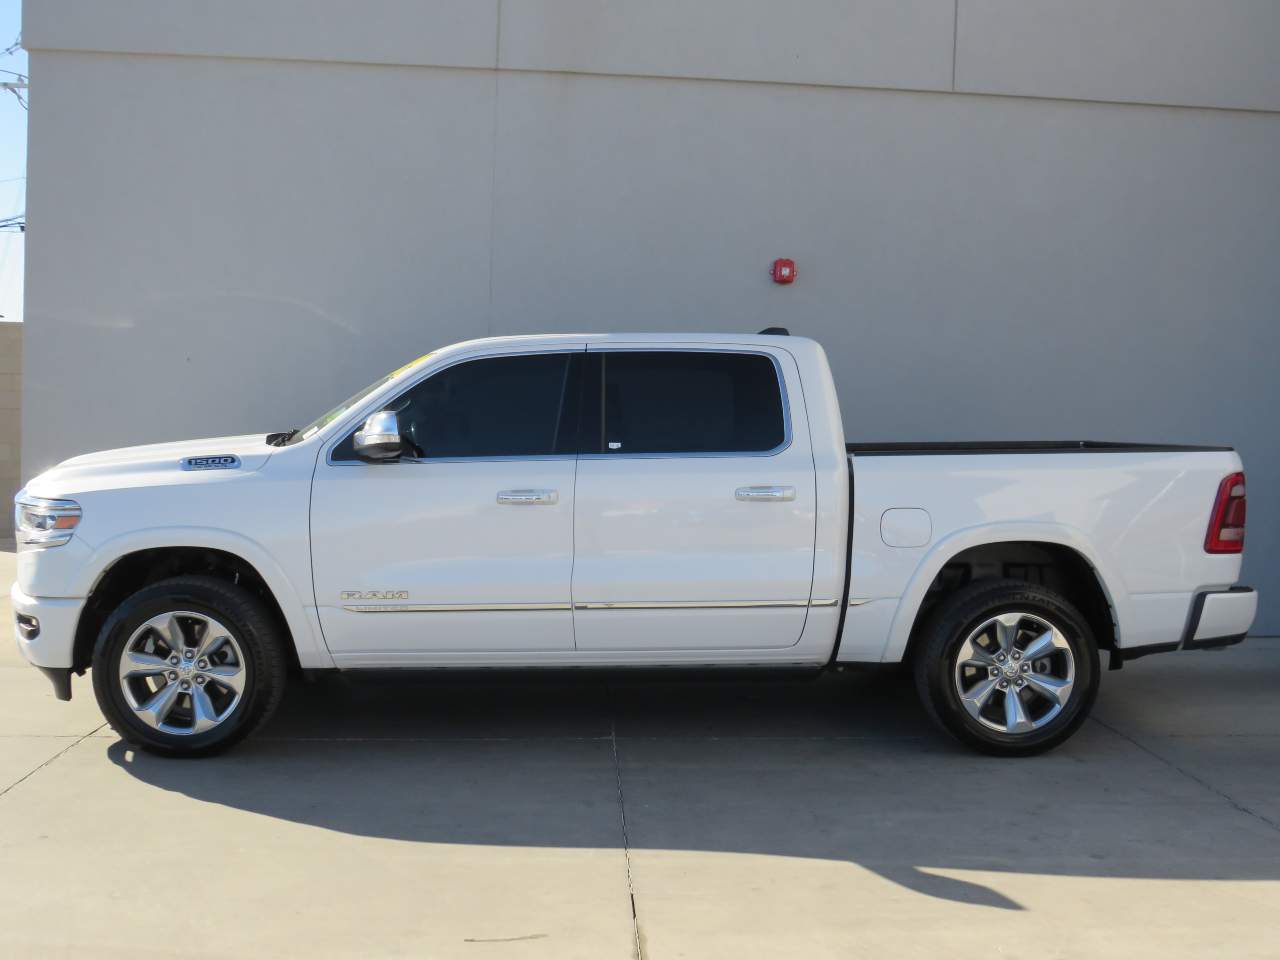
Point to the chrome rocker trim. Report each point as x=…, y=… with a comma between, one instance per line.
x=605, y=605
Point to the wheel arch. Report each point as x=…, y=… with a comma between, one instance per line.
x=989, y=552
x=126, y=565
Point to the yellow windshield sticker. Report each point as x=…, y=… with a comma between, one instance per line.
x=412, y=363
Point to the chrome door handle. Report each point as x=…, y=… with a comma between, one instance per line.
x=750, y=494
x=528, y=497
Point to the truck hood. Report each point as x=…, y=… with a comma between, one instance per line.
x=186, y=460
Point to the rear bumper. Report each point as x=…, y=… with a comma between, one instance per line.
x=1218, y=618
x=1221, y=618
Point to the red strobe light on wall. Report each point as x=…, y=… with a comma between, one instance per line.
x=783, y=271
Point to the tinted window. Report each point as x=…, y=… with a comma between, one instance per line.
x=688, y=402
x=520, y=406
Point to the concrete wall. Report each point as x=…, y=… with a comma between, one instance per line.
x=1011, y=219
x=10, y=414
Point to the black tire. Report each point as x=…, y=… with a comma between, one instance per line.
x=251, y=625
x=935, y=655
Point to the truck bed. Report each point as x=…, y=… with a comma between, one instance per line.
x=1137, y=518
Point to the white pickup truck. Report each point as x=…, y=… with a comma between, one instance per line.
x=620, y=501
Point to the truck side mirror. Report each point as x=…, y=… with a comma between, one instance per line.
x=379, y=439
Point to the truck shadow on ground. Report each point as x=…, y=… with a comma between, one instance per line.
x=839, y=768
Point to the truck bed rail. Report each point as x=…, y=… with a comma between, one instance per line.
x=954, y=448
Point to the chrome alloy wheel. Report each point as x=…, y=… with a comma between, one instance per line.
x=182, y=673
x=1014, y=672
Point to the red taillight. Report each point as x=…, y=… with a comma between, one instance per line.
x=1226, y=526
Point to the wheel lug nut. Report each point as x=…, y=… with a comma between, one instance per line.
x=171, y=675
x=185, y=685
x=994, y=672
x=1017, y=655
x=188, y=654
x=200, y=681
x=1004, y=684
x=174, y=660
x=1021, y=683
x=202, y=663
x=1000, y=658
x=1026, y=668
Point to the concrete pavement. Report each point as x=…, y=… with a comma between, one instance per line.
x=818, y=819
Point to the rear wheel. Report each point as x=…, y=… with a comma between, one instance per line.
x=1007, y=667
x=188, y=666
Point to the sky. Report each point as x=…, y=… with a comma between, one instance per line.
x=13, y=164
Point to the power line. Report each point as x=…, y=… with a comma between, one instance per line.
x=16, y=89
x=23, y=82
x=18, y=222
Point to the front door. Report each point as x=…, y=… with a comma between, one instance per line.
x=695, y=517
x=463, y=547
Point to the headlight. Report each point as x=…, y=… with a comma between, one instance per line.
x=44, y=522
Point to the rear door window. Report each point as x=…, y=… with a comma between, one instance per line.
x=685, y=402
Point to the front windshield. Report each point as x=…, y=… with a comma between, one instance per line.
x=320, y=422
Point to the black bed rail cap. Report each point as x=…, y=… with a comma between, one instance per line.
x=774, y=332
x=1020, y=446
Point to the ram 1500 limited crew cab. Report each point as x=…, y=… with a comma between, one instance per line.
x=620, y=501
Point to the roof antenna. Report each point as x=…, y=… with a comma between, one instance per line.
x=775, y=332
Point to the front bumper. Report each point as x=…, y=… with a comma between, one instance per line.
x=45, y=629
x=1218, y=618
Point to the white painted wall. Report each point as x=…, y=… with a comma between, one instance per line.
x=1207, y=53
x=241, y=212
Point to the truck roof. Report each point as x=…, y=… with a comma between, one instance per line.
x=774, y=340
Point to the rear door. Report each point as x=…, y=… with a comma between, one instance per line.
x=695, y=501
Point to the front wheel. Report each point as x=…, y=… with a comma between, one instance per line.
x=1007, y=667
x=188, y=666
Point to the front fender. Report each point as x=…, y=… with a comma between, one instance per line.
x=296, y=606
x=956, y=543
